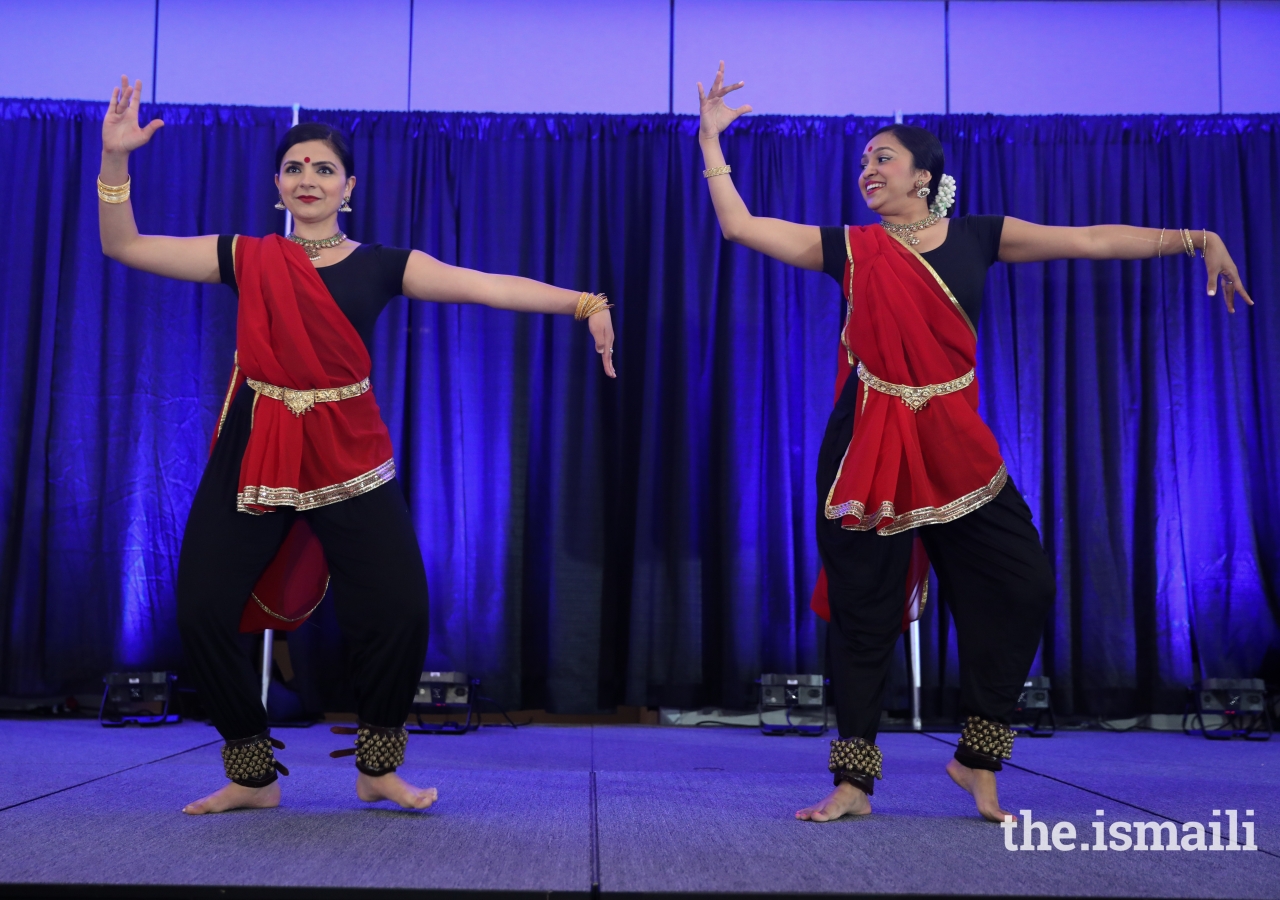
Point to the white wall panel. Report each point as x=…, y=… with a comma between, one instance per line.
x=75, y=49
x=328, y=56
x=1250, y=59
x=1084, y=57
x=814, y=57
x=545, y=56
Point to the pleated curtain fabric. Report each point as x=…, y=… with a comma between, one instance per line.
x=650, y=541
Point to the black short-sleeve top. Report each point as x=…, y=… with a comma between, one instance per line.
x=971, y=247
x=362, y=284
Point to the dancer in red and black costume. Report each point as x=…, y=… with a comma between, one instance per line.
x=301, y=455
x=908, y=473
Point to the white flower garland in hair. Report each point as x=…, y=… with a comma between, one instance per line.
x=946, y=196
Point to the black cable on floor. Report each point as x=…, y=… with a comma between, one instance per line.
x=72, y=787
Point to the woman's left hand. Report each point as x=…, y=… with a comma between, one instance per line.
x=1218, y=261
x=601, y=326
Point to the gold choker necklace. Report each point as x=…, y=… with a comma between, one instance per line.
x=907, y=233
x=313, y=248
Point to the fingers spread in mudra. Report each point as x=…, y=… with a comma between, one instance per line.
x=122, y=118
x=715, y=113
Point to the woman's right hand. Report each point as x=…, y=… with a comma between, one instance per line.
x=120, y=130
x=714, y=114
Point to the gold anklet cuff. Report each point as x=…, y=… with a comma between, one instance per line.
x=983, y=744
x=251, y=762
x=378, y=751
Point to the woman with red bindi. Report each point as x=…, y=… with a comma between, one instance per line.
x=301, y=458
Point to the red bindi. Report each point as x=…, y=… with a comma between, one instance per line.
x=306, y=159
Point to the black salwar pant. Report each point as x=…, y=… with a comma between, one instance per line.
x=378, y=586
x=991, y=569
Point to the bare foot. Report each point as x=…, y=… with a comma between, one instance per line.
x=394, y=788
x=236, y=796
x=981, y=783
x=845, y=800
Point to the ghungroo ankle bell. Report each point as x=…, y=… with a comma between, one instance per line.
x=857, y=762
x=378, y=751
x=983, y=744
x=252, y=761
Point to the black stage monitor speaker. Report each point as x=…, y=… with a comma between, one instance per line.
x=144, y=698
x=792, y=692
x=1240, y=702
x=444, y=692
x=1034, y=708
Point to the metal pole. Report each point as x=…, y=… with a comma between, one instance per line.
x=915, y=676
x=268, y=638
x=269, y=635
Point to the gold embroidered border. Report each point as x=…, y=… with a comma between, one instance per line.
x=275, y=615
x=305, y=500
x=915, y=398
x=925, y=515
x=848, y=315
x=231, y=390
x=299, y=402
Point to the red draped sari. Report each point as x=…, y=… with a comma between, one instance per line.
x=290, y=333
x=905, y=468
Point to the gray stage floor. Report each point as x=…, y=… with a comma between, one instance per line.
x=634, y=809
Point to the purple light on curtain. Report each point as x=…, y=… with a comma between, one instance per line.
x=650, y=540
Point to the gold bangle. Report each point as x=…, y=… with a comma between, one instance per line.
x=599, y=306
x=595, y=309
x=1160, y=247
x=589, y=305
x=110, y=193
x=718, y=170
x=1187, y=247
x=1204, y=244
x=115, y=188
x=585, y=300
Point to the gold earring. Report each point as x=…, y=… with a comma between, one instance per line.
x=280, y=203
x=922, y=189
x=346, y=205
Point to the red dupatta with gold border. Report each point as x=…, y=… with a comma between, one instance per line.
x=903, y=468
x=290, y=333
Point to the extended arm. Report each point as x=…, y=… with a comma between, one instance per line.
x=188, y=259
x=426, y=278
x=797, y=245
x=1022, y=241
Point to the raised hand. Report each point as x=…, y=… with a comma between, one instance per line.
x=1219, y=263
x=714, y=114
x=120, y=130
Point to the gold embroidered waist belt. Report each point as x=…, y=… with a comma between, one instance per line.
x=914, y=397
x=299, y=402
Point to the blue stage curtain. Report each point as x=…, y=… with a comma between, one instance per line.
x=113, y=381
x=590, y=543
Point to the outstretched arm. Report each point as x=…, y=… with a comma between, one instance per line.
x=797, y=245
x=1022, y=241
x=188, y=259
x=426, y=278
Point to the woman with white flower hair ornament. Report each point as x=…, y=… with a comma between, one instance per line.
x=909, y=475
